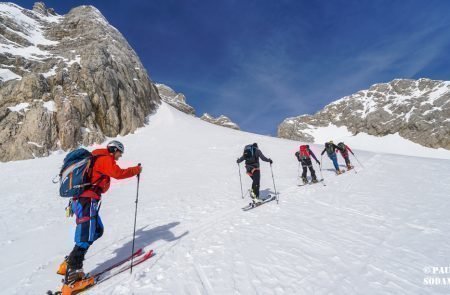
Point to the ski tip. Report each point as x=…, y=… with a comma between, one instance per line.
x=149, y=254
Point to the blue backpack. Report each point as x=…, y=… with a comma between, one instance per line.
x=75, y=175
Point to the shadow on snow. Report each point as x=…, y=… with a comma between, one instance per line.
x=144, y=238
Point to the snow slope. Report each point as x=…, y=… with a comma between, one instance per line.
x=391, y=143
x=374, y=232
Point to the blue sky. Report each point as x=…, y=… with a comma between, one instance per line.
x=262, y=61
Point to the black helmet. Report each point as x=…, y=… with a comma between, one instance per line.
x=255, y=145
x=114, y=146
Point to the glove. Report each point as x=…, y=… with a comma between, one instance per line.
x=237, y=161
x=318, y=163
x=270, y=161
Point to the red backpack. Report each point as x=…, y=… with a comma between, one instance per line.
x=304, y=151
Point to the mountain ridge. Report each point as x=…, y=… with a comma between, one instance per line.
x=418, y=110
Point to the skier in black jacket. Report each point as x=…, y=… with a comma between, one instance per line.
x=304, y=155
x=251, y=155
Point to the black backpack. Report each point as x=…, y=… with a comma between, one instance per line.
x=249, y=152
x=341, y=146
x=329, y=148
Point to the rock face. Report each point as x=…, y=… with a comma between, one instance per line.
x=419, y=110
x=66, y=80
x=221, y=121
x=178, y=101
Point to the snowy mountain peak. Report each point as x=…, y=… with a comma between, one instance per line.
x=221, y=121
x=178, y=101
x=416, y=110
x=41, y=8
x=79, y=64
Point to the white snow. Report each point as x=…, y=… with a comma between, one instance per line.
x=77, y=59
x=50, y=105
x=376, y=232
x=51, y=72
x=35, y=144
x=6, y=75
x=19, y=107
x=392, y=143
x=31, y=30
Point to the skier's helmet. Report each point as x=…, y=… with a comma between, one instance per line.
x=255, y=145
x=114, y=146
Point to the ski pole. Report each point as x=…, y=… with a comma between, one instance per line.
x=298, y=171
x=358, y=160
x=274, y=187
x=135, y=215
x=320, y=167
x=240, y=180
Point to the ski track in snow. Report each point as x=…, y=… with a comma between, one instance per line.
x=367, y=233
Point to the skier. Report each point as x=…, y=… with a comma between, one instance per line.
x=251, y=155
x=330, y=148
x=344, y=149
x=86, y=209
x=304, y=157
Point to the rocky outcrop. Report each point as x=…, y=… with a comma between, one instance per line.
x=66, y=80
x=222, y=120
x=177, y=100
x=418, y=110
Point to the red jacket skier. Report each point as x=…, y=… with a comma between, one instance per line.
x=344, y=149
x=86, y=206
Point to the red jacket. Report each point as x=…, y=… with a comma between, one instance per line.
x=105, y=167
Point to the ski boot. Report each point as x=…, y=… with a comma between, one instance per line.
x=254, y=198
x=314, y=180
x=349, y=167
x=338, y=172
x=76, y=281
x=305, y=180
x=62, y=267
x=78, y=286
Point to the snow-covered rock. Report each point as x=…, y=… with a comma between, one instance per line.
x=221, y=121
x=416, y=110
x=177, y=100
x=75, y=72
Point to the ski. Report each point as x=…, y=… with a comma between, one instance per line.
x=310, y=183
x=137, y=253
x=138, y=261
x=254, y=205
x=98, y=276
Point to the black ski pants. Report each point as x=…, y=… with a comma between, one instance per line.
x=255, y=175
x=306, y=163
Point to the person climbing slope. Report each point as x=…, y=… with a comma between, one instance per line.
x=86, y=209
x=304, y=157
x=330, y=148
x=251, y=155
x=344, y=149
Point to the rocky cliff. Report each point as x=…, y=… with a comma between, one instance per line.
x=178, y=101
x=221, y=121
x=418, y=110
x=66, y=80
